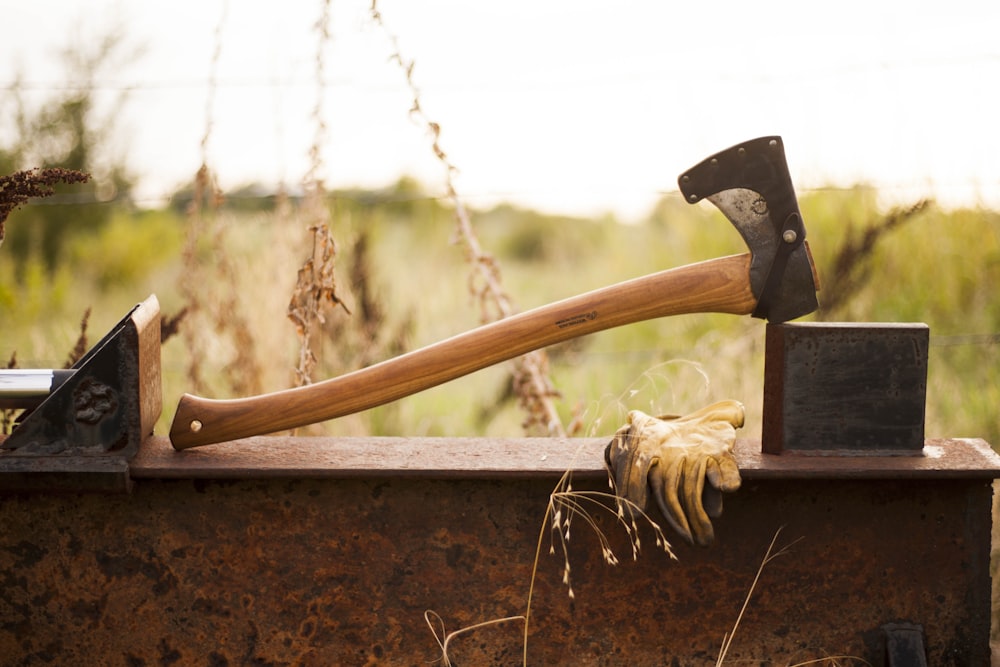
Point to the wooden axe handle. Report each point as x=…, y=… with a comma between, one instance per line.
x=718, y=286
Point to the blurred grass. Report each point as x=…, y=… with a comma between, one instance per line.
x=939, y=268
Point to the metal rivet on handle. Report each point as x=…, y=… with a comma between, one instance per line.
x=789, y=236
x=195, y=425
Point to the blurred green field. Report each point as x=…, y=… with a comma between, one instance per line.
x=939, y=267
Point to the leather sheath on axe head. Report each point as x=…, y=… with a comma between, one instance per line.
x=776, y=280
x=751, y=185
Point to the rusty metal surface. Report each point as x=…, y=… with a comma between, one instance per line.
x=515, y=458
x=839, y=386
x=285, y=571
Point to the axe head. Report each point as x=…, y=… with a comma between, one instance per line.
x=750, y=184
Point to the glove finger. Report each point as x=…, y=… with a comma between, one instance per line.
x=693, y=485
x=724, y=474
x=711, y=500
x=618, y=456
x=664, y=481
x=636, y=486
x=630, y=466
x=711, y=496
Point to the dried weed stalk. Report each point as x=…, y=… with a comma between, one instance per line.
x=217, y=310
x=443, y=637
x=19, y=187
x=852, y=265
x=770, y=555
x=170, y=325
x=374, y=340
x=192, y=284
x=223, y=314
x=315, y=292
x=81, y=346
x=7, y=416
x=532, y=384
x=565, y=506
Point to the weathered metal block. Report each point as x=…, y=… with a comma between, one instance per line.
x=845, y=388
x=82, y=436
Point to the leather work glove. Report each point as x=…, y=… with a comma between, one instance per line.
x=674, y=457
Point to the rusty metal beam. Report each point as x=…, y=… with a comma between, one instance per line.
x=515, y=458
x=296, y=551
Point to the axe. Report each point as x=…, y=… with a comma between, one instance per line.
x=776, y=281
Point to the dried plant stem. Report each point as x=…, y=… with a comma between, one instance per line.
x=6, y=415
x=81, y=346
x=852, y=264
x=445, y=637
x=315, y=290
x=19, y=187
x=531, y=382
x=564, y=505
x=243, y=371
x=769, y=555
x=191, y=282
x=192, y=279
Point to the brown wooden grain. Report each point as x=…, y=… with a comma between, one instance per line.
x=719, y=286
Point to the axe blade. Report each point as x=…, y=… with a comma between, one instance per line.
x=751, y=185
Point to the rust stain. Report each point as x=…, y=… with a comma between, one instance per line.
x=340, y=572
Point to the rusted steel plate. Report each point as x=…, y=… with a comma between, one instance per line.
x=831, y=386
x=341, y=571
x=499, y=458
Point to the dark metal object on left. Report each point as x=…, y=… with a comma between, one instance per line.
x=80, y=435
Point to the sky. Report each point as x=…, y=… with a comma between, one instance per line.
x=568, y=107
